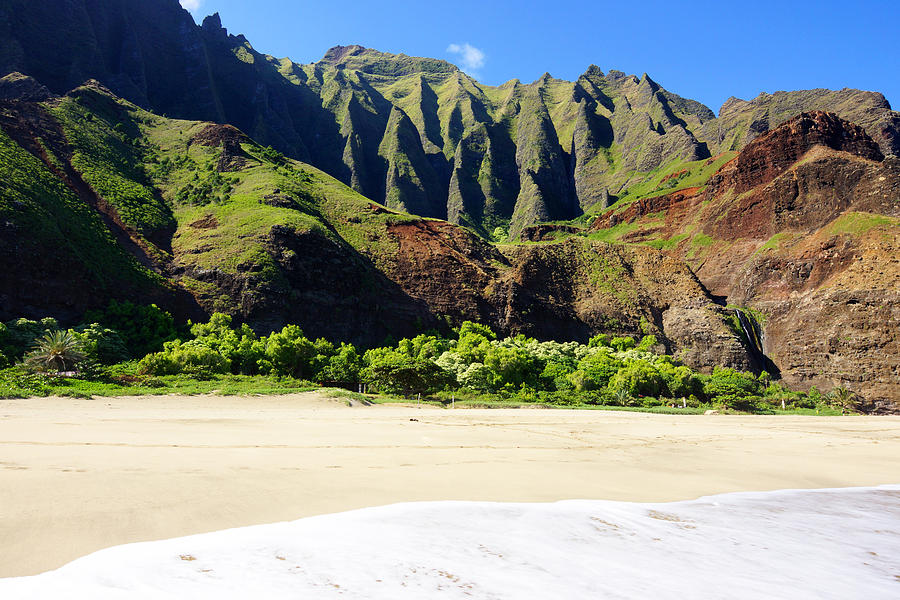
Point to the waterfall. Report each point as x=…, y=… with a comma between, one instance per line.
x=753, y=336
x=752, y=332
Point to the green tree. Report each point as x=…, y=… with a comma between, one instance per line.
x=513, y=366
x=638, y=378
x=844, y=398
x=344, y=366
x=595, y=370
x=289, y=352
x=397, y=373
x=240, y=347
x=554, y=377
x=474, y=342
x=423, y=346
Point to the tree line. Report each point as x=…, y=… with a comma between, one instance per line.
x=145, y=341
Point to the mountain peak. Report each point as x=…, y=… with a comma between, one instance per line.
x=338, y=54
x=16, y=86
x=593, y=71
x=375, y=62
x=212, y=26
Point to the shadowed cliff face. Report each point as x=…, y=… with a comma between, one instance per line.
x=414, y=133
x=804, y=225
x=273, y=241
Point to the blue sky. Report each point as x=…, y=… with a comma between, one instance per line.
x=703, y=50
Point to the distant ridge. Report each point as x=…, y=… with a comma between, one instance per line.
x=528, y=153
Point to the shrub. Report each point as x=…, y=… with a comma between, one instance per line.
x=17, y=383
x=19, y=335
x=289, y=352
x=190, y=358
x=622, y=343
x=101, y=344
x=728, y=386
x=143, y=328
x=647, y=343
x=599, y=340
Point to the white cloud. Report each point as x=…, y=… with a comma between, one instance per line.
x=191, y=5
x=471, y=58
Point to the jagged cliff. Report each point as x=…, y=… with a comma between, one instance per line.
x=804, y=226
x=225, y=224
x=414, y=133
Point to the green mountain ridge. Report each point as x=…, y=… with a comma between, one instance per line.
x=200, y=218
x=391, y=126
x=372, y=194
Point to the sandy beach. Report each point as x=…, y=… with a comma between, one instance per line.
x=80, y=475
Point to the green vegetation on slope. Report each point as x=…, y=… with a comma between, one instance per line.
x=107, y=154
x=61, y=228
x=672, y=177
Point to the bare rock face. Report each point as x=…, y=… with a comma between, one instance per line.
x=741, y=121
x=804, y=226
x=772, y=153
x=704, y=341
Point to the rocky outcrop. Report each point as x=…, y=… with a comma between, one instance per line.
x=484, y=184
x=771, y=154
x=411, y=184
x=577, y=288
x=802, y=225
x=741, y=121
x=16, y=86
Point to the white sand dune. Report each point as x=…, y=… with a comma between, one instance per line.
x=840, y=544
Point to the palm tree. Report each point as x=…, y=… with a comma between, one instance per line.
x=843, y=397
x=58, y=350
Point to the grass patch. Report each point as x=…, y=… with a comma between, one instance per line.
x=671, y=177
x=858, y=223
x=774, y=242
x=665, y=244
x=14, y=384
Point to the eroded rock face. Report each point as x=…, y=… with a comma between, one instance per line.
x=741, y=121
x=771, y=154
x=804, y=225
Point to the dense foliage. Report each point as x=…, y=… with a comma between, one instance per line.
x=616, y=371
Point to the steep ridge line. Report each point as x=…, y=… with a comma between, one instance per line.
x=414, y=133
